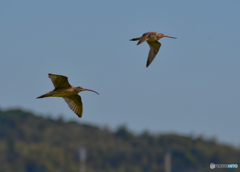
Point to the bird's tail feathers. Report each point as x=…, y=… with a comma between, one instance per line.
x=135, y=39
x=44, y=95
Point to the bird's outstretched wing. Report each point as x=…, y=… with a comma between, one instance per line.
x=75, y=103
x=154, y=48
x=59, y=81
x=144, y=37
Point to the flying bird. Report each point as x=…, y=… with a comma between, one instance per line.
x=67, y=92
x=152, y=40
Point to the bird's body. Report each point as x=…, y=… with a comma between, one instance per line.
x=61, y=92
x=67, y=92
x=152, y=40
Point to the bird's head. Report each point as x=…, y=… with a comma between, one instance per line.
x=79, y=89
x=163, y=35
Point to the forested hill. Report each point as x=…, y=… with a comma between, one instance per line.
x=30, y=143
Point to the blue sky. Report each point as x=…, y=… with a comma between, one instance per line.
x=192, y=86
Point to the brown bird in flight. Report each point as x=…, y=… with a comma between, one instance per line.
x=152, y=40
x=67, y=92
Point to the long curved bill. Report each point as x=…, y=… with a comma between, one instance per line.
x=171, y=37
x=91, y=90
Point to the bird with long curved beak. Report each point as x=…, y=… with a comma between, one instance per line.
x=67, y=92
x=152, y=40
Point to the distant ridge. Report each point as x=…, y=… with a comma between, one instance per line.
x=31, y=143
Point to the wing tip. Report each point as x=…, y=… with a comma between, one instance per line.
x=80, y=116
x=147, y=64
x=50, y=74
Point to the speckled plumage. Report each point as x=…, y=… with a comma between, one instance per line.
x=67, y=92
x=152, y=40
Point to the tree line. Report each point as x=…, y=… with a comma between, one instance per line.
x=33, y=143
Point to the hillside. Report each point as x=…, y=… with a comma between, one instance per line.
x=31, y=143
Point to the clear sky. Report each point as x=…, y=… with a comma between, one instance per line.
x=192, y=86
